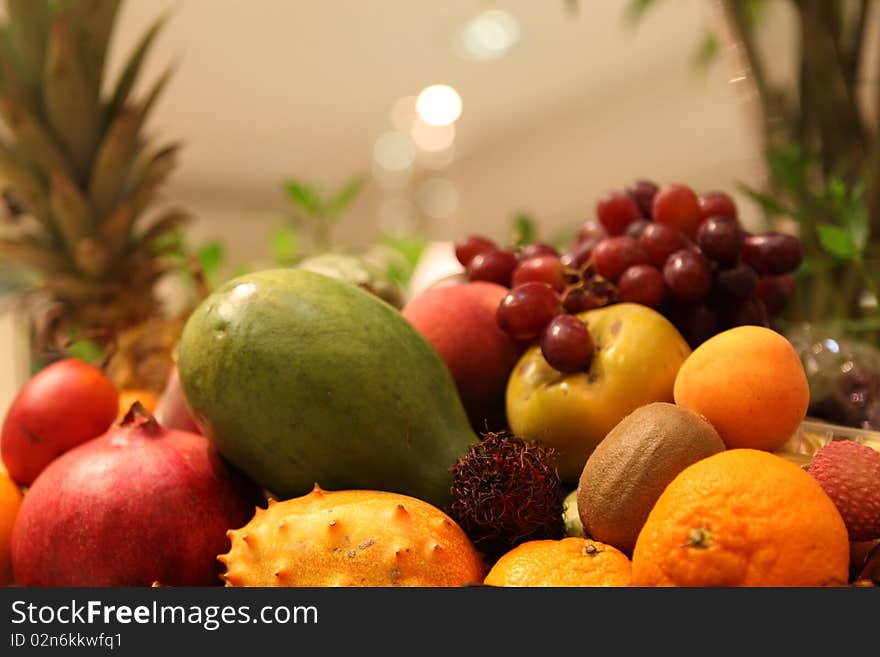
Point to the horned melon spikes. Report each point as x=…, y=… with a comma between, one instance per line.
x=338, y=538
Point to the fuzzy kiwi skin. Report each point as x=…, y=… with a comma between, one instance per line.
x=634, y=463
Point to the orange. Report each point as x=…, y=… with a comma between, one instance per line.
x=129, y=397
x=10, y=501
x=567, y=562
x=742, y=517
x=749, y=383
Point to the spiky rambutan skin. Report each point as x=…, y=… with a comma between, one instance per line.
x=849, y=473
x=506, y=491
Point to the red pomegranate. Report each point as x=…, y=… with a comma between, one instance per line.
x=138, y=505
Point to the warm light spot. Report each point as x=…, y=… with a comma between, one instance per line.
x=438, y=105
x=488, y=36
x=394, y=151
x=432, y=138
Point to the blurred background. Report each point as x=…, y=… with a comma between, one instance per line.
x=434, y=120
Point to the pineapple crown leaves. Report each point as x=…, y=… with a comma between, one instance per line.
x=77, y=162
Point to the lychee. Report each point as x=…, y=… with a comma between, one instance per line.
x=849, y=472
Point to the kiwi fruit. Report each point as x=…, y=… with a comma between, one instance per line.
x=634, y=463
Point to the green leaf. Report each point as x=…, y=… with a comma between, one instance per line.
x=636, y=10
x=524, y=230
x=706, y=52
x=790, y=167
x=307, y=197
x=87, y=350
x=284, y=244
x=411, y=248
x=210, y=257
x=836, y=241
x=769, y=204
x=345, y=196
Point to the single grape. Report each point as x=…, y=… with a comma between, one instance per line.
x=642, y=284
x=536, y=249
x=748, y=312
x=526, y=310
x=495, y=266
x=590, y=230
x=636, y=228
x=660, y=241
x=697, y=323
x=688, y=276
x=471, y=246
x=717, y=204
x=678, y=206
x=544, y=269
x=567, y=345
x=580, y=254
x=613, y=255
x=736, y=282
x=775, y=292
x=643, y=192
x=578, y=300
x=616, y=211
x=720, y=239
x=772, y=254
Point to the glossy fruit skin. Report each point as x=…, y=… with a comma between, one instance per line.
x=351, y=538
x=742, y=517
x=614, y=255
x=526, y=310
x=573, y=412
x=688, y=276
x=749, y=383
x=678, y=206
x=544, y=269
x=138, y=505
x=772, y=253
x=10, y=503
x=569, y=561
x=296, y=377
x=60, y=407
x=659, y=241
x=616, y=211
x=566, y=344
x=471, y=246
x=493, y=266
x=642, y=284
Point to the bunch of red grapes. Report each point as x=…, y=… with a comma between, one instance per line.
x=685, y=255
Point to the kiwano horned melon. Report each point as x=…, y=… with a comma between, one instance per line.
x=351, y=538
x=297, y=377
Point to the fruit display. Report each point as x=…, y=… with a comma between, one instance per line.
x=300, y=378
x=572, y=412
x=138, y=505
x=62, y=406
x=742, y=517
x=621, y=413
x=566, y=562
x=351, y=538
x=10, y=503
x=634, y=463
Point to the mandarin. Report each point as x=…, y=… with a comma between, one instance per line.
x=567, y=562
x=10, y=501
x=130, y=396
x=742, y=517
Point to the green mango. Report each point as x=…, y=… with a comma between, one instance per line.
x=298, y=378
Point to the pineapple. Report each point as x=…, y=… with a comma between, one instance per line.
x=79, y=165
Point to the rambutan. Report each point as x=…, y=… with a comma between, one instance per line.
x=506, y=491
